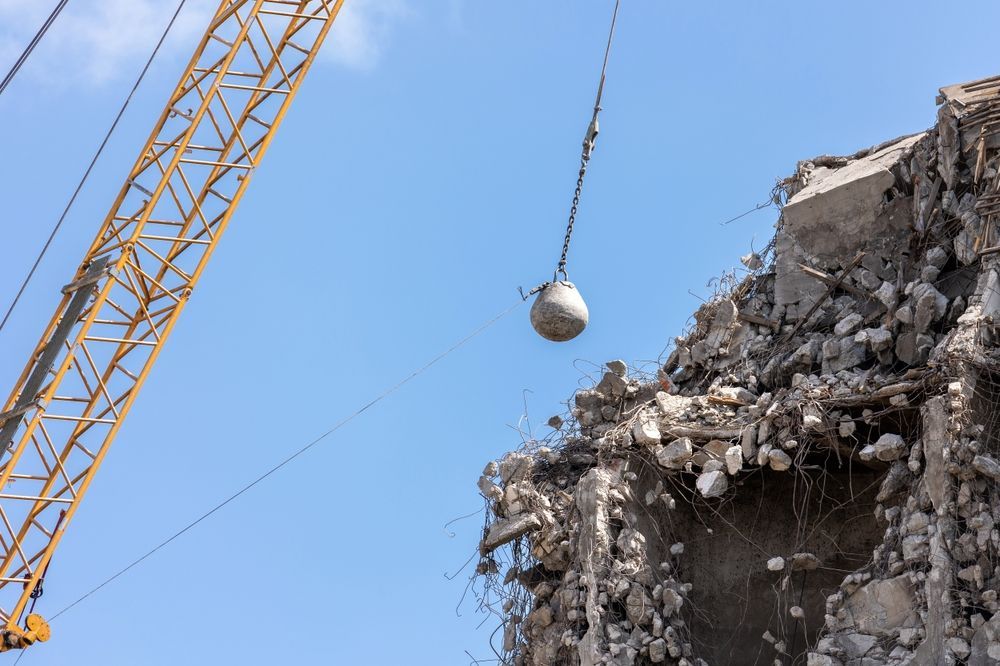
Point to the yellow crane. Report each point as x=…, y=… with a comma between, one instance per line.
x=135, y=278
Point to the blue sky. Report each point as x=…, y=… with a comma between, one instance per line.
x=423, y=175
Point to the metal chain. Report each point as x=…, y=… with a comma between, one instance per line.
x=588, y=148
x=561, y=268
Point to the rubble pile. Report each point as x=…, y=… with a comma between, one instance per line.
x=812, y=476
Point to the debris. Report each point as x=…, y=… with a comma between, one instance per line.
x=505, y=531
x=489, y=489
x=675, y=454
x=620, y=368
x=732, y=395
x=805, y=562
x=883, y=606
x=734, y=460
x=848, y=324
x=841, y=208
x=779, y=460
x=987, y=466
x=838, y=399
x=712, y=484
x=646, y=432
x=889, y=446
x=752, y=261
x=658, y=651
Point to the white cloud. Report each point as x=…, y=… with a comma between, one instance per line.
x=94, y=42
x=362, y=30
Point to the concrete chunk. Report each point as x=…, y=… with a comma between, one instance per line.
x=736, y=395
x=877, y=339
x=848, y=324
x=618, y=367
x=913, y=348
x=722, y=325
x=734, y=459
x=675, y=454
x=805, y=562
x=779, y=460
x=987, y=466
x=833, y=216
x=506, y=530
x=672, y=406
x=752, y=261
x=890, y=447
x=886, y=294
x=646, y=432
x=489, y=489
x=882, y=606
x=985, y=648
x=712, y=484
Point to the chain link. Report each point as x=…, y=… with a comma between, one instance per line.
x=588, y=147
x=561, y=268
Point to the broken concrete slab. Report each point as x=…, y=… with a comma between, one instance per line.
x=883, y=606
x=506, y=530
x=833, y=216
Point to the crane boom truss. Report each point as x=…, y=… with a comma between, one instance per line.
x=137, y=275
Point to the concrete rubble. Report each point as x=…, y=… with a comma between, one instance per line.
x=812, y=475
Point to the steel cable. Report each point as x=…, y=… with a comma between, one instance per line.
x=588, y=148
x=90, y=167
x=23, y=58
x=291, y=457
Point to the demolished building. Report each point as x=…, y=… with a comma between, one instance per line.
x=812, y=476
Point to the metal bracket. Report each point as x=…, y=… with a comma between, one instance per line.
x=29, y=392
x=22, y=410
x=139, y=187
x=89, y=279
x=174, y=111
x=533, y=291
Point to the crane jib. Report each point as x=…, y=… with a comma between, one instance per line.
x=134, y=280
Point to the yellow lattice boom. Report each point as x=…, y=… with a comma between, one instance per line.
x=117, y=312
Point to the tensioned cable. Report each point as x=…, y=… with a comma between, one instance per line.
x=588, y=147
x=23, y=58
x=296, y=454
x=86, y=174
